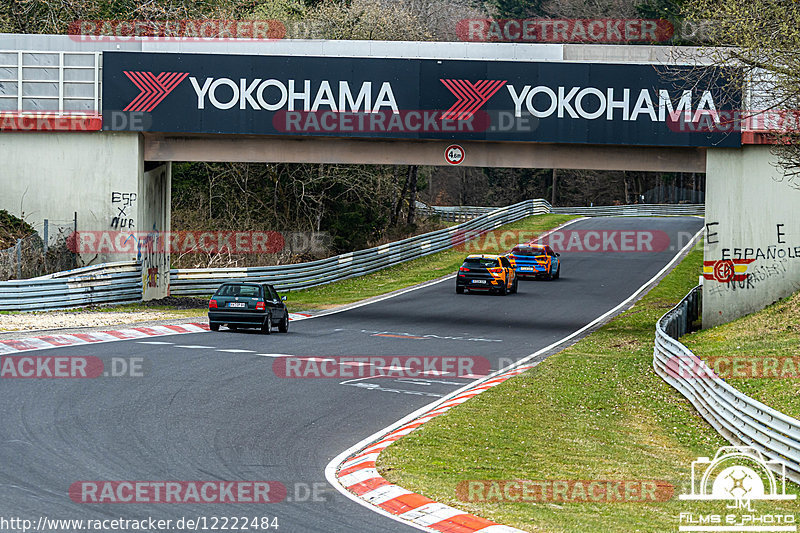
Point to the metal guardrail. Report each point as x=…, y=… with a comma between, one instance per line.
x=634, y=210
x=304, y=275
x=738, y=418
x=467, y=212
x=107, y=283
x=455, y=213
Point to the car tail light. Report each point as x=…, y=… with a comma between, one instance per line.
x=212, y=304
x=541, y=258
x=496, y=270
x=260, y=306
x=463, y=269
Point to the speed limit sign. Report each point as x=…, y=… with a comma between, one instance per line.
x=454, y=154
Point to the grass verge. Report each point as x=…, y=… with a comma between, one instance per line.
x=595, y=411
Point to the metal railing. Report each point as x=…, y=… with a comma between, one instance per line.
x=204, y=281
x=100, y=284
x=738, y=418
x=634, y=210
x=60, y=83
x=467, y=212
x=459, y=213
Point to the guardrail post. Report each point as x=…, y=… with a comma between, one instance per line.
x=19, y=258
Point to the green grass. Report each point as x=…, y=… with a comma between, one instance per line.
x=595, y=411
x=771, y=334
x=411, y=272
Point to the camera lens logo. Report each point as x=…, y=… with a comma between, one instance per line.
x=738, y=473
x=738, y=482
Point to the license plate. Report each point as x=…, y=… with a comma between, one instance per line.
x=526, y=269
x=478, y=281
x=237, y=304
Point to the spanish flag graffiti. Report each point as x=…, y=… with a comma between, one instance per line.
x=725, y=270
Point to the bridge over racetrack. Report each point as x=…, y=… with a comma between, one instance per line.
x=92, y=127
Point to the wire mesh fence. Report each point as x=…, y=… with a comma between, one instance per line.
x=38, y=254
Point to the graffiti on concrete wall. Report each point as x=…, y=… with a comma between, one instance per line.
x=123, y=210
x=744, y=268
x=154, y=260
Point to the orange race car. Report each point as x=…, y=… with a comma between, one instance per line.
x=483, y=272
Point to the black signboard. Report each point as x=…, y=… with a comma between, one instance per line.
x=549, y=102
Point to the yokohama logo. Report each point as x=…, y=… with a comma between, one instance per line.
x=469, y=97
x=153, y=88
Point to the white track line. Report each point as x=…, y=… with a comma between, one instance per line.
x=333, y=465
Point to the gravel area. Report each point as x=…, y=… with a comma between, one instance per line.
x=178, y=302
x=26, y=324
x=19, y=326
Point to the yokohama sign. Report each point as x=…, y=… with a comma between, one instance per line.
x=552, y=102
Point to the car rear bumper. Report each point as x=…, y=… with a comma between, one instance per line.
x=536, y=272
x=470, y=283
x=237, y=318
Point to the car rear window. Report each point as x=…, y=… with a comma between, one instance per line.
x=252, y=291
x=523, y=250
x=527, y=251
x=481, y=262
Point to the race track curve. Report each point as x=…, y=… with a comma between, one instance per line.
x=204, y=414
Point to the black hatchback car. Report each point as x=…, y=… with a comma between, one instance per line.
x=248, y=305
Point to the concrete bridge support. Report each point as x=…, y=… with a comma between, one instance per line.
x=752, y=254
x=104, y=179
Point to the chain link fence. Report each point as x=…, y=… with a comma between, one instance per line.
x=40, y=253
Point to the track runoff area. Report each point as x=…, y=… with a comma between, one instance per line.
x=227, y=428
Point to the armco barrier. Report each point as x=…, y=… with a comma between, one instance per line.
x=467, y=212
x=106, y=283
x=633, y=210
x=460, y=213
x=204, y=281
x=738, y=418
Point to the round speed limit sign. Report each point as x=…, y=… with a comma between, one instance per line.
x=454, y=154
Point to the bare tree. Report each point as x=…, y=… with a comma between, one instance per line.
x=761, y=37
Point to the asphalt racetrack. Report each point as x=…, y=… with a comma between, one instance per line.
x=210, y=408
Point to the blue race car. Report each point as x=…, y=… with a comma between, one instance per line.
x=536, y=261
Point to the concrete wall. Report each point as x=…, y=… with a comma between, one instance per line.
x=102, y=178
x=154, y=216
x=54, y=175
x=753, y=220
